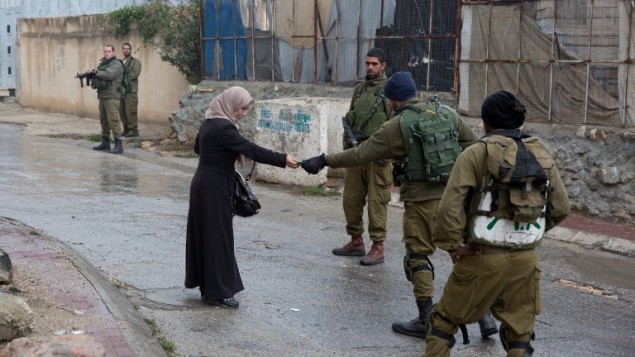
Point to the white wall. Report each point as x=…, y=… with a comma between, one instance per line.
x=302, y=127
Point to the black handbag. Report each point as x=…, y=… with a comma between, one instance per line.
x=245, y=202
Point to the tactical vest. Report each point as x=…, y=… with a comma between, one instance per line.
x=99, y=83
x=509, y=210
x=368, y=113
x=431, y=140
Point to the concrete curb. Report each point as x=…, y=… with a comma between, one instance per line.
x=591, y=240
x=131, y=323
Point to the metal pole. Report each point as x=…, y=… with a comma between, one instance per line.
x=520, y=47
x=273, y=39
x=201, y=41
x=552, y=60
x=217, y=44
x=588, y=66
x=235, y=39
x=487, y=47
x=335, y=55
x=457, y=52
x=429, y=45
x=253, y=40
x=315, y=31
x=629, y=62
x=357, y=39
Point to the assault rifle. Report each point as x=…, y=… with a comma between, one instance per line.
x=90, y=76
x=352, y=138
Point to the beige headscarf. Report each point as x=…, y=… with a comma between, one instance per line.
x=227, y=103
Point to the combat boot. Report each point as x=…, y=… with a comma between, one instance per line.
x=353, y=248
x=104, y=146
x=118, y=149
x=416, y=327
x=375, y=254
x=487, y=325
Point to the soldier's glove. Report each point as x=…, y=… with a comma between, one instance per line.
x=314, y=164
x=461, y=251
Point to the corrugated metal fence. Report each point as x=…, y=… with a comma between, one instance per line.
x=569, y=61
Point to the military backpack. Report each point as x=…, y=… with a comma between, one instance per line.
x=431, y=138
x=510, y=209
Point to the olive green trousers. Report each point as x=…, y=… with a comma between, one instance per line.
x=109, y=118
x=128, y=112
x=418, y=220
x=370, y=182
x=507, y=282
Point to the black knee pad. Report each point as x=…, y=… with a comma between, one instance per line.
x=417, y=268
x=432, y=331
x=510, y=345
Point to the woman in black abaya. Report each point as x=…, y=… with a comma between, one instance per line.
x=210, y=262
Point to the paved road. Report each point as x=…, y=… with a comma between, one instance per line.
x=126, y=216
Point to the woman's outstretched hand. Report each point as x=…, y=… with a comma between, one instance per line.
x=292, y=162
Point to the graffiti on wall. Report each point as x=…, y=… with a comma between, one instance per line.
x=285, y=120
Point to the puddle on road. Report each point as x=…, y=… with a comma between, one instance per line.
x=614, y=271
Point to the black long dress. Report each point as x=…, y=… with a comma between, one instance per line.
x=210, y=262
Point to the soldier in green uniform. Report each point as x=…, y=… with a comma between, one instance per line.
x=497, y=275
x=368, y=183
x=421, y=198
x=130, y=101
x=109, y=74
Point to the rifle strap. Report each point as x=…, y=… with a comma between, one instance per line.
x=379, y=93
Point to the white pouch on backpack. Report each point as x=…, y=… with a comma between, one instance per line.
x=504, y=232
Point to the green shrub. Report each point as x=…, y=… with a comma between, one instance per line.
x=172, y=30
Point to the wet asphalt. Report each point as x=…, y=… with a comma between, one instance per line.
x=126, y=216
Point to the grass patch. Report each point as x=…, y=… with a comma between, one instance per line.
x=168, y=346
x=95, y=138
x=171, y=147
x=320, y=191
